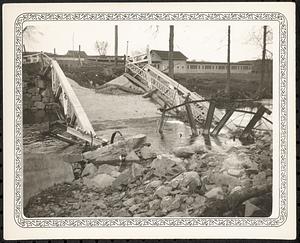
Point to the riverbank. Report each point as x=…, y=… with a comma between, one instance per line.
x=187, y=181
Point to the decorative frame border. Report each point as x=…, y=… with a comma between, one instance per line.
x=24, y=222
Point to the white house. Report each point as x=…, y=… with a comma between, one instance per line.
x=160, y=60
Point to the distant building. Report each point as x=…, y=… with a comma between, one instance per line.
x=160, y=60
x=218, y=67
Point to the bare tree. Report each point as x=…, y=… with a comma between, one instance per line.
x=256, y=37
x=101, y=47
x=30, y=36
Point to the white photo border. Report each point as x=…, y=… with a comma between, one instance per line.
x=92, y=222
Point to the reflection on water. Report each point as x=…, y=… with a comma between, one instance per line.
x=175, y=134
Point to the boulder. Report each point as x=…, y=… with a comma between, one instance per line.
x=129, y=202
x=147, y=152
x=102, y=181
x=167, y=165
x=186, y=179
x=132, y=157
x=183, y=152
x=235, y=172
x=199, y=201
x=89, y=170
x=155, y=204
x=153, y=185
x=163, y=191
x=39, y=105
x=123, y=179
x=107, y=169
x=137, y=170
x=165, y=203
x=215, y=193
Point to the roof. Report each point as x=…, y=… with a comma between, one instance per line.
x=76, y=54
x=224, y=63
x=164, y=55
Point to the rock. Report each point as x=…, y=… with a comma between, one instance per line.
x=199, y=201
x=247, y=183
x=129, y=202
x=121, y=213
x=89, y=170
x=107, y=169
x=115, y=174
x=150, y=212
x=153, y=184
x=175, y=204
x=177, y=214
x=189, y=200
x=155, y=204
x=132, y=157
x=46, y=93
x=103, y=180
x=216, y=193
x=199, y=148
x=183, y=152
x=39, y=105
x=134, y=207
x=123, y=179
x=235, y=189
x=100, y=204
x=137, y=170
x=36, y=98
x=224, y=179
x=260, y=179
x=235, y=172
x=163, y=191
x=147, y=152
x=166, y=164
x=165, y=203
x=40, y=84
x=174, y=183
x=189, y=179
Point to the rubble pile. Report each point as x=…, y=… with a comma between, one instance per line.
x=187, y=182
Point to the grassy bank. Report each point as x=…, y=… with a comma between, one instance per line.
x=211, y=85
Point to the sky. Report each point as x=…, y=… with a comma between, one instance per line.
x=197, y=40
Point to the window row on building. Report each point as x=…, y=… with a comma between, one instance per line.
x=218, y=67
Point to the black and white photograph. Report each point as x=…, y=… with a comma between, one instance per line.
x=124, y=117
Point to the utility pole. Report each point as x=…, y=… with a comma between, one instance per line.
x=263, y=61
x=227, y=89
x=54, y=51
x=116, y=45
x=79, y=56
x=171, y=49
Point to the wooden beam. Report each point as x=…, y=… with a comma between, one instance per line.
x=258, y=115
x=86, y=137
x=149, y=93
x=209, y=117
x=191, y=117
x=76, y=106
x=223, y=121
x=113, y=153
x=161, y=122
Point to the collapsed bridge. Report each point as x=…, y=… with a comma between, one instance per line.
x=201, y=113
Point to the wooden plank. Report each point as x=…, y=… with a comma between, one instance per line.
x=191, y=117
x=78, y=109
x=161, y=122
x=221, y=124
x=113, y=152
x=258, y=115
x=86, y=137
x=209, y=117
x=149, y=93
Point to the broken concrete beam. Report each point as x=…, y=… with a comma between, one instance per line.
x=113, y=153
